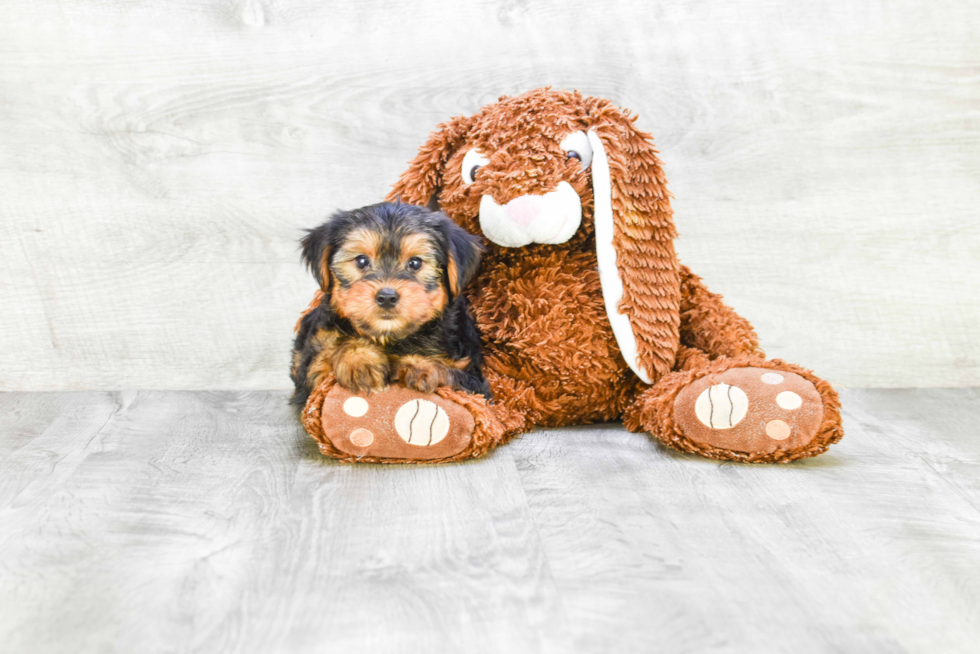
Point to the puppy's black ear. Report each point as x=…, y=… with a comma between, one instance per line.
x=318, y=245
x=464, y=252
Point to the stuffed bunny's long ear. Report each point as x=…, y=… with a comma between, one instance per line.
x=421, y=183
x=634, y=232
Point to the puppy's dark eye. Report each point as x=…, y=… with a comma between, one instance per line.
x=473, y=171
x=414, y=263
x=572, y=154
x=362, y=261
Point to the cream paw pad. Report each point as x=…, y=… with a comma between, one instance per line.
x=749, y=410
x=421, y=422
x=395, y=424
x=721, y=406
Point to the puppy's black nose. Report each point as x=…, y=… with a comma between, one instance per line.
x=386, y=298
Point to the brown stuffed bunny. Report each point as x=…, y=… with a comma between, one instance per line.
x=586, y=314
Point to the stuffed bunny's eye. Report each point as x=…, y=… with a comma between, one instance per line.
x=472, y=162
x=576, y=146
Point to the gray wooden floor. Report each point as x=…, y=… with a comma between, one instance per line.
x=180, y=521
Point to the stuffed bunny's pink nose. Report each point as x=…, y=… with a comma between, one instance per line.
x=525, y=209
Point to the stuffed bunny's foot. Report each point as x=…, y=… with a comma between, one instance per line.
x=400, y=425
x=767, y=412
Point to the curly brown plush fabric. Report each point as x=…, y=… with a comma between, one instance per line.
x=523, y=133
x=552, y=355
x=709, y=325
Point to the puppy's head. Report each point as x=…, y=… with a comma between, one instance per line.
x=390, y=268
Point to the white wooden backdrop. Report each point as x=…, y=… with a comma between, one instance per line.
x=158, y=160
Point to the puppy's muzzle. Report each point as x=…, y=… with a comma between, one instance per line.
x=550, y=218
x=387, y=298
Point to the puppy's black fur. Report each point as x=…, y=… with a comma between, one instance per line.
x=451, y=335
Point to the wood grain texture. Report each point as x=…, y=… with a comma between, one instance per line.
x=159, y=160
x=161, y=522
x=874, y=546
x=208, y=522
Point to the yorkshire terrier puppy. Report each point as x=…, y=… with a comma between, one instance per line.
x=392, y=277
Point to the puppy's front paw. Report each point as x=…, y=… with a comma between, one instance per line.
x=423, y=374
x=361, y=368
